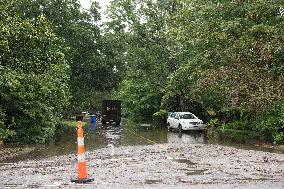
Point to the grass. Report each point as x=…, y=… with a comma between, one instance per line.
x=73, y=123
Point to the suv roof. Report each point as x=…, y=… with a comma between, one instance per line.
x=183, y=112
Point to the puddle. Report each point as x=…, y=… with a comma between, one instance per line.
x=196, y=172
x=253, y=179
x=10, y=185
x=152, y=181
x=186, y=161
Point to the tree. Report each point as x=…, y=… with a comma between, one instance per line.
x=34, y=76
x=236, y=47
x=142, y=26
x=89, y=54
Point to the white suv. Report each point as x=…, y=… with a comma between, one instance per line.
x=184, y=121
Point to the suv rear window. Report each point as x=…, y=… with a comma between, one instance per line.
x=173, y=115
x=187, y=116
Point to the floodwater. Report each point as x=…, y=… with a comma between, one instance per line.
x=101, y=136
x=140, y=156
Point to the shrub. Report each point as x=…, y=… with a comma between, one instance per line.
x=278, y=138
x=34, y=78
x=214, y=123
x=4, y=132
x=160, y=117
x=38, y=135
x=238, y=125
x=2, y=117
x=271, y=123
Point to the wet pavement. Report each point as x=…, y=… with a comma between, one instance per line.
x=142, y=157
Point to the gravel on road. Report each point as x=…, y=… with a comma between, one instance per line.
x=153, y=166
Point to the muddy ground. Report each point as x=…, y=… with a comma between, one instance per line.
x=153, y=166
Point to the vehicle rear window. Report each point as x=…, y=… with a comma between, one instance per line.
x=187, y=116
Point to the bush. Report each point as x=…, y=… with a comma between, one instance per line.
x=160, y=117
x=4, y=132
x=278, y=138
x=271, y=123
x=229, y=118
x=38, y=135
x=2, y=117
x=238, y=125
x=214, y=123
x=34, y=78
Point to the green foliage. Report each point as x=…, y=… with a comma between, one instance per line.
x=232, y=50
x=73, y=123
x=238, y=125
x=214, y=123
x=91, y=56
x=2, y=118
x=50, y=51
x=227, y=118
x=179, y=55
x=179, y=91
x=139, y=101
x=160, y=117
x=139, y=26
x=170, y=102
x=271, y=122
x=203, y=55
x=278, y=138
x=35, y=134
x=34, y=76
x=4, y=132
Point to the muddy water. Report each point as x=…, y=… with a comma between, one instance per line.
x=101, y=136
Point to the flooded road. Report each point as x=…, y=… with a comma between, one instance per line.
x=97, y=137
x=139, y=156
x=101, y=136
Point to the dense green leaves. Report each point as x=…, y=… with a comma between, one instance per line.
x=219, y=59
x=203, y=56
x=90, y=54
x=54, y=61
x=271, y=123
x=146, y=56
x=34, y=77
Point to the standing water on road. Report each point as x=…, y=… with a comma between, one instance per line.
x=101, y=136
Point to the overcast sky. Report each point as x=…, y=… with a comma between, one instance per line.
x=103, y=3
x=87, y=3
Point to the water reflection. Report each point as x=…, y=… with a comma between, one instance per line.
x=112, y=134
x=187, y=138
x=99, y=136
x=93, y=127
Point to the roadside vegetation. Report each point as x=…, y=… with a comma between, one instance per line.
x=221, y=60
x=73, y=123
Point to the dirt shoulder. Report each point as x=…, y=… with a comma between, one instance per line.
x=154, y=166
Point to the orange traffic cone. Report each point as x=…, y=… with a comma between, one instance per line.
x=82, y=166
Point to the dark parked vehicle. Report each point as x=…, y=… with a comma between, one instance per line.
x=111, y=111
